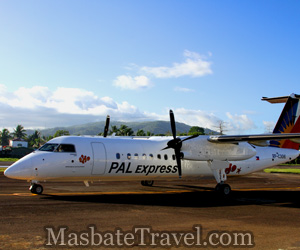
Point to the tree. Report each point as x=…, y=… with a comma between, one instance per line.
x=140, y=132
x=61, y=133
x=35, y=140
x=125, y=131
x=5, y=137
x=149, y=133
x=195, y=130
x=19, y=132
x=221, y=127
x=114, y=129
x=47, y=138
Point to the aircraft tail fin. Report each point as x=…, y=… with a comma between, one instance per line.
x=288, y=121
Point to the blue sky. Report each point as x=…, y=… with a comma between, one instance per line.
x=73, y=62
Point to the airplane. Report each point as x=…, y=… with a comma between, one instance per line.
x=147, y=159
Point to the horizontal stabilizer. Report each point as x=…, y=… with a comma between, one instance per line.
x=281, y=99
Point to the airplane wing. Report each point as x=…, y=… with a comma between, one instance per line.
x=259, y=139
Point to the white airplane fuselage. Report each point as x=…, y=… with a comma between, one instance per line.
x=132, y=158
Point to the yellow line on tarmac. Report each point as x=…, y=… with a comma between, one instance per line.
x=18, y=194
x=100, y=193
x=148, y=192
x=266, y=189
x=118, y=193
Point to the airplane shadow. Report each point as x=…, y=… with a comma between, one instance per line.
x=198, y=197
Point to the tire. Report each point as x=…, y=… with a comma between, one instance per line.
x=147, y=183
x=36, y=189
x=218, y=187
x=223, y=189
x=226, y=190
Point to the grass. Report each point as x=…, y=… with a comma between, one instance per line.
x=9, y=159
x=284, y=171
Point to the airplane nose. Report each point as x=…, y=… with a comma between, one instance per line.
x=8, y=173
x=21, y=169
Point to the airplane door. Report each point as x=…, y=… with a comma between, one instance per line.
x=99, y=158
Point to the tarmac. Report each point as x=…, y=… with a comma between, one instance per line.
x=265, y=205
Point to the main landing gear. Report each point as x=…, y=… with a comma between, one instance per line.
x=221, y=188
x=36, y=188
x=147, y=183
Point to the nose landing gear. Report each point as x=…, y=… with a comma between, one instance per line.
x=36, y=188
x=147, y=183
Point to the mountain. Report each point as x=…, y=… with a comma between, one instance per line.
x=155, y=127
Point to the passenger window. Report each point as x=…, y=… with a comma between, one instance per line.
x=128, y=156
x=144, y=156
x=158, y=156
x=151, y=156
x=166, y=157
x=118, y=156
x=65, y=148
x=173, y=157
x=136, y=156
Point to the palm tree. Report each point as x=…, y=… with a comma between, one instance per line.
x=4, y=137
x=35, y=139
x=19, y=132
x=140, y=132
x=125, y=131
x=114, y=129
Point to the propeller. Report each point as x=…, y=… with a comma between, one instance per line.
x=106, y=126
x=176, y=143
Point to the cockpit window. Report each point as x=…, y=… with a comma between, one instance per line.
x=50, y=147
x=67, y=148
x=54, y=147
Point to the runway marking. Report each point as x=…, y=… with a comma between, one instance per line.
x=23, y=194
x=18, y=194
x=100, y=193
x=265, y=189
x=118, y=193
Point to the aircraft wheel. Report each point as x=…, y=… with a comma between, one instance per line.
x=223, y=189
x=218, y=187
x=36, y=189
x=147, y=183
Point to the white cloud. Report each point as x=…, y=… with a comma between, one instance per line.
x=133, y=83
x=39, y=107
x=194, y=66
x=179, y=89
x=196, y=118
x=269, y=126
x=239, y=122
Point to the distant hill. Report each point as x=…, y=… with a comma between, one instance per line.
x=155, y=127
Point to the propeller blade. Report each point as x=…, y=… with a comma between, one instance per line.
x=176, y=143
x=106, y=126
x=191, y=137
x=173, y=125
x=178, y=160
